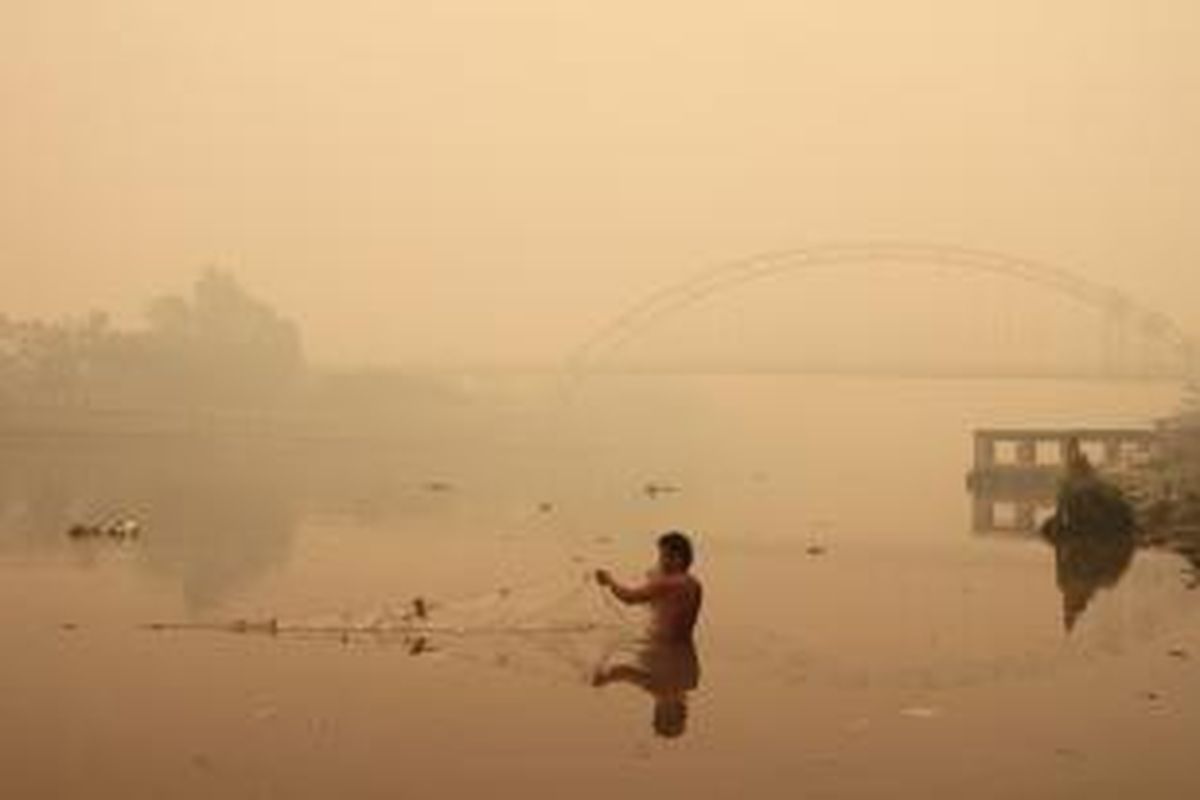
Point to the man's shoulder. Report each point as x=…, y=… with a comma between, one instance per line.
x=684, y=581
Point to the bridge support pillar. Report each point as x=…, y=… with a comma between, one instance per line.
x=985, y=452
x=983, y=514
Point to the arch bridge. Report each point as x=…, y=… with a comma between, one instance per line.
x=1122, y=314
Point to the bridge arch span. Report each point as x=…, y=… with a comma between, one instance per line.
x=680, y=295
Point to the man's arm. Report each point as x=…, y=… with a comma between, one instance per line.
x=624, y=673
x=630, y=595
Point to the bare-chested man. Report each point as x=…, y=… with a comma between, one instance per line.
x=673, y=594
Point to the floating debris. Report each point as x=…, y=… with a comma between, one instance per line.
x=815, y=550
x=121, y=528
x=438, y=486
x=545, y=507
x=420, y=608
x=653, y=490
x=1178, y=652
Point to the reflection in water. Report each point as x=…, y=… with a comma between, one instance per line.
x=1092, y=527
x=1092, y=531
x=1085, y=564
x=216, y=516
x=668, y=672
x=215, y=519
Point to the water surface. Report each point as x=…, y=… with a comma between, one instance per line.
x=858, y=639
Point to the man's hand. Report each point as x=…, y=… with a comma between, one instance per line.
x=636, y=594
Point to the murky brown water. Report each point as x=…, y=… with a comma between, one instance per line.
x=858, y=639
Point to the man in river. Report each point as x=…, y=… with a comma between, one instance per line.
x=667, y=665
x=673, y=594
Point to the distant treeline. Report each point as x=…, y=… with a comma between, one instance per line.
x=217, y=347
x=215, y=361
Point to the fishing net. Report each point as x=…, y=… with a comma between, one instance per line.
x=565, y=627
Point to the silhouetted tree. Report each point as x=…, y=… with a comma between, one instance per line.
x=219, y=347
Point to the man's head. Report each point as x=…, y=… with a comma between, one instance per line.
x=674, y=552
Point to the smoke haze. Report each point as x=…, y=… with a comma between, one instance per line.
x=449, y=182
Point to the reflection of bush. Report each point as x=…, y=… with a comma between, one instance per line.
x=1086, y=563
x=219, y=521
x=216, y=515
x=215, y=520
x=1092, y=531
x=220, y=347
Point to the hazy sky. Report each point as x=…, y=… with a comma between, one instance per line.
x=463, y=180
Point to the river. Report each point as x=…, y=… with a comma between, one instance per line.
x=858, y=638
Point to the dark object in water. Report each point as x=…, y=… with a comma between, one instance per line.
x=815, y=550
x=123, y=528
x=653, y=490
x=438, y=486
x=1092, y=531
x=1084, y=564
x=1089, y=506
